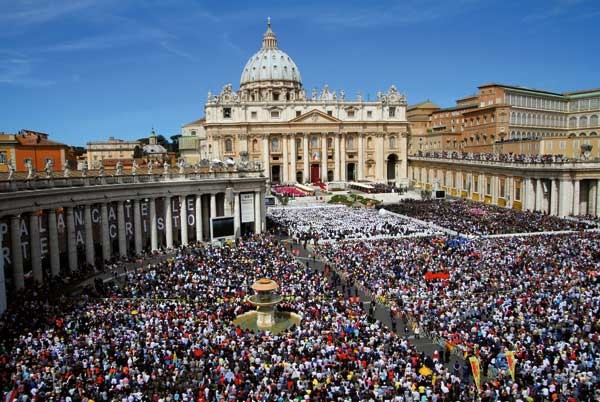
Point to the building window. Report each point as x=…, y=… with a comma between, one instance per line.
x=275, y=96
x=329, y=142
x=193, y=132
x=255, y=145
x=227, y=113
x=298, y=113
x=253, y=115
x=488, y=185
x=350, y=142
x=350, y=113
x=275, y=145
x=369, y=114
x=3, y=158
x=275, y=114
x=48, y=160
x=26, y=161
x=228, y=145
x=329, y=113
x=392, y=112
x=314, y=141
x=475, y=184
x=298, y=143
x=392, y=142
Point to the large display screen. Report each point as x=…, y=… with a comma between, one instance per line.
x=222, y=227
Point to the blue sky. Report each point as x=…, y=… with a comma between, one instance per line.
x=85, y=70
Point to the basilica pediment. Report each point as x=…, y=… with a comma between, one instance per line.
x=315, y=116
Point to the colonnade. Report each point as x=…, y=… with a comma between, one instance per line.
x=90, y=233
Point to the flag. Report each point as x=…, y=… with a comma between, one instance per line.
x=510, y=359
x=476, y=371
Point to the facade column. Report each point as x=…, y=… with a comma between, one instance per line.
x=198, y=217
x=361, y=157
x=404, y=155
x=213, y=205
x=71, y=240
x=286, y=162
x=539, y=196
x=122, y=234
x=36, y=249
x=266, y=157
x=591, y=208
x=576, y=197
x=379, y=158
x=305, y=158
x=153, y=226
x=257, y=212
x=336, y=158
x=16, y=252
x=105, y=233
x=566, y=197
x=137, y=226
x=236, y=214
x=324, y=157
x=343, y=169
x=168, y=222
x=495, y=189
x=183, y=220
x=53, y=243
x=90, y=257
x=528, y=194
x=293, y=158
x=553, y=197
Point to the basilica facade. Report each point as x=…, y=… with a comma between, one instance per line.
x=300, y=137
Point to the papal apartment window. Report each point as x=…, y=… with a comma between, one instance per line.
x=253, y=115
x=275, y=114
x=392, y=112
x=227, y=113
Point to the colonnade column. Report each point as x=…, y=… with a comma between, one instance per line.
x=105, y=232
x=293, y=158
x=265, y=155
x=286, y=164
x=137, y=226
x=71, y=240
x=89, y=235
x=343, y=170
x=16, y=252
x=553, y=197
x=198, y=217
x=183, y=220
x=53, y=243
x=121, y=229
x=168, y=222
x=305, y=158
x=236, y=214
x=539, y=195
x=336, y=158
x=36, y=250
x=361, y=157
x=153, y=227
x=324, y=157
x=257, y=212
x=566, y=197
x=576, y=197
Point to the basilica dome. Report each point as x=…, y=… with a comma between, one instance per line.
x=270, y=64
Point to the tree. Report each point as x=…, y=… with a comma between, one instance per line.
x=174, y=146
x=138, y=152
x=143, y=141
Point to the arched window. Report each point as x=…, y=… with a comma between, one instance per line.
x=228, y=145
x=594, y=120
x=573, y=122
x=583, y=121
x=393, y=142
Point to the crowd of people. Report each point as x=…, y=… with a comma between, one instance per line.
x=538, y=296
x=492, y=157
x=473, y=218
x=335, y=223
x=165, y=334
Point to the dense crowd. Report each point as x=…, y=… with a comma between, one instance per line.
x=318, y=224
x=468, y=217
x=166, y=334
x=538, y=296
x=492, y=157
